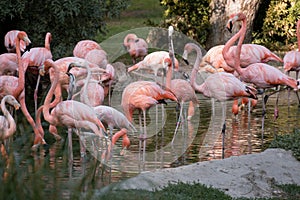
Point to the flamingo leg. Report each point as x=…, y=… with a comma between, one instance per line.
x=35, y=94
x=223, y=128
x=38, y=139
x=145, y=136
x=297, y=74
x=180, y=118
x=263, y=116
x=70, y=145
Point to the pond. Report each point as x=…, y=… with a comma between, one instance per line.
x=48, y=172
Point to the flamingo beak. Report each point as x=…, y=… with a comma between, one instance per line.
x=17, y=106
x=42, y=70
x=229, y=26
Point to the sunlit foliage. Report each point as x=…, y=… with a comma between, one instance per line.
x=279, y=27
x=191, y=17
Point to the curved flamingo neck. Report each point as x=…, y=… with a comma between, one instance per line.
x=46, y=112
x=121, y=133
x=130, y=36
x=10, y=120
x=236, y=57
x=85, y=86
x=47, y=41
x=21, y=79
x=169, y=75
x=189, y=47
x=298, y=34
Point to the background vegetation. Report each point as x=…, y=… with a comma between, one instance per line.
x=70, y=21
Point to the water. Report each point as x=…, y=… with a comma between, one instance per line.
x=48, y=171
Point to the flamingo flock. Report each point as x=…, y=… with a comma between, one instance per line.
x=236, y=71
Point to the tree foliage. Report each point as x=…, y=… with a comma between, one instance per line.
x=69, y=21
x=279, y=27
x=191, y=17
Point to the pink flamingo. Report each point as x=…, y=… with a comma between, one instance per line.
x=137, y=47
x=291, y=60
x=84, y=46
x=260, y=74
x=8, y=64
x=222, y=86
x=10, y=43
x=7, y=122
x=142, y=95
x=154, y=61
x=34, y=59
x=213, y=61
x=72, y=114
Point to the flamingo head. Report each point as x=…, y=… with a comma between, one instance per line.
x=46, y=66
x=12, y=101
x=233, y=18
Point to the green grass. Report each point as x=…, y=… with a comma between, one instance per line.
x=138, y=14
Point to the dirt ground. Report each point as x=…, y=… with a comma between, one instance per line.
x=250, y=176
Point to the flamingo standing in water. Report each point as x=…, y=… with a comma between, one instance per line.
x=182, y=89
x=136, y=47
x=72, y=114
x=222, y=86
x=142, y=95
x=7, y=122
x=115, y=119
x=260, y=74
x=291, y=60
x=35, y=58
x=10, y=41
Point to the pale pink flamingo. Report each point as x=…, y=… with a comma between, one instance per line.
x=222, y=86
x=136, y=47
x=91, y=93
x=84, y=46
x=213, y=61
x=35, y=58
x=10, y=43
x=8, y=64
x=260, y=74
x=7, y=125
x=154, y=61
x=291, y=60
x=113, y=118
x=7, y=122
x=69, y=113
x=182, y=89
x=142, y=95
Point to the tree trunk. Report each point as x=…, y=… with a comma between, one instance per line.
x=221, y=10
